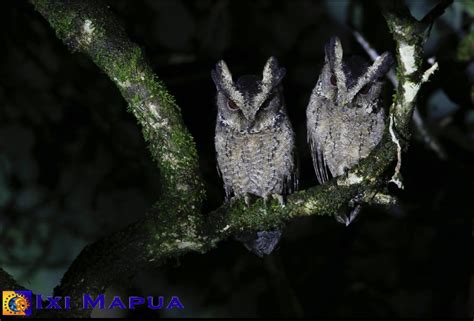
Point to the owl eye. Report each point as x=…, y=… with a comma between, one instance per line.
x=333, y=80
x=365, y=90
x=232, y=105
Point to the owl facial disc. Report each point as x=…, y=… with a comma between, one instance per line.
x=249, y=92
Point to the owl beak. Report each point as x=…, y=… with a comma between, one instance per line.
x=250, y=117
x=342, y=101
x=250, y=125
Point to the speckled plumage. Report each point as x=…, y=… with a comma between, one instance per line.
x=254, y=139
x=345, y=118
x=260, y=164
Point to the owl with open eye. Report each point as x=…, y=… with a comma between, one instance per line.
x=254, y=142
x=345, y=115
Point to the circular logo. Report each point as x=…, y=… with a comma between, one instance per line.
x=16, y=303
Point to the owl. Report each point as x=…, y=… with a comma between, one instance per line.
x=254, y=142
x=345, y=115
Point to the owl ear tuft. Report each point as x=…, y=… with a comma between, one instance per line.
x=333, y=51
x=272, y=72
x=376, y=71
x=383, y=64
x=221, y=75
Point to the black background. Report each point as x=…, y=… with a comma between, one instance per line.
x=74, y=167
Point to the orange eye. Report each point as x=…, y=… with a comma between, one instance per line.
x=232, y=105
x=333, y=80
x=365, y=90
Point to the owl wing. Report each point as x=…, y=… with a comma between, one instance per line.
x=223, y=160
x=318, y=122
x=290, y=168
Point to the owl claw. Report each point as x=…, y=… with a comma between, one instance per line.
x=237, y=198
x=247, y=200
x=265, y=200
x=232, y=199
x=280, y=199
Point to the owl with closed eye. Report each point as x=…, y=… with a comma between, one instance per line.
x=345, y=115
x=254, y=141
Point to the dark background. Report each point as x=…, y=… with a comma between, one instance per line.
x=74, y=167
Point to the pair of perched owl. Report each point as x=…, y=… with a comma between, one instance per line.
x=255, y=141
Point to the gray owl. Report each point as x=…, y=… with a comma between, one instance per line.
x=345, y=118
x=254, y=142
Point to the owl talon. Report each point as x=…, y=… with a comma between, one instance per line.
x=247, y=200
x=265, y=200
x=280, y=199
x=232, y=199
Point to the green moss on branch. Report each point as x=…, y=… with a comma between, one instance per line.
x=88, y=27
x=156, y=238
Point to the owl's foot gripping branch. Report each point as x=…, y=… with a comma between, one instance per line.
x=176, y=225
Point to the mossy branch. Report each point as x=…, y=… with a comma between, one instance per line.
x=88, y=27
x=151, y=241
x=176, y=225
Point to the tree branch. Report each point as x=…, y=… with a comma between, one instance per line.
x=88, y=27
x=177, y=228
x=150, y=242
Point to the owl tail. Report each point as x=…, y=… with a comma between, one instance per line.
x=262, y=242
x=345, y=219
